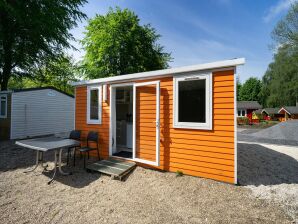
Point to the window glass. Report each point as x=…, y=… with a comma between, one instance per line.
x=3, y=107
x=94, y=104
x=239, y=113
x=192, y=101
x=243, y=113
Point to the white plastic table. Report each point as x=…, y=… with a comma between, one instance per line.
x=42, y=145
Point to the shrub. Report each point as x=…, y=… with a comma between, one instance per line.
x=242, y=120
x=179, y=173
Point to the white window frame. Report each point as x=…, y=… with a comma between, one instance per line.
x=209, y=95
x=99, y=88
x=105, y=95
x=241, y=110
x=4, y=96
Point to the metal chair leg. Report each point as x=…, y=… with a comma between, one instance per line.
x=68, y=150
x=98, y=154
x=84, y=160
x=74, y=157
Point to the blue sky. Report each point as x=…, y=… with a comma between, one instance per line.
x=199, y=31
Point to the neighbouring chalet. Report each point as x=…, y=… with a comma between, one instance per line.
x=272, y=114
x=246, y=108
x=289, y=112
x=32, y=112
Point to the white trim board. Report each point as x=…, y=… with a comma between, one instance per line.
x=235, y=129
x=165, y=72
x=11, y=114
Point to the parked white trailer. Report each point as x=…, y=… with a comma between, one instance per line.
x=35, y=112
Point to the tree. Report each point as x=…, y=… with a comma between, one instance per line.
x=250, y=90
x=286, y=30
x=239, y=85
x=31, y=31
x=280, y=82
x=117, y=44
x=58, y=72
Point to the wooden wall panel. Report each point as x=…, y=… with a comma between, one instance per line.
x=81, y=121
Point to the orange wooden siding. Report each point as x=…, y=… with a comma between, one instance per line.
x=146, y=101
x=203, y=153
x=81, y=120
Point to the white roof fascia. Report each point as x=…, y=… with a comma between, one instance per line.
x=284, y=110
x=5, y=91
x=164, y=72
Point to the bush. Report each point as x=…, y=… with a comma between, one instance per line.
x=179, y=173
x=242, y=120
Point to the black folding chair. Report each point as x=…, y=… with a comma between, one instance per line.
x=92, y=137
x=75, y=135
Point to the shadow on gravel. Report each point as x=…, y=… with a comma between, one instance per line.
x=14, y=157
x=78, y=179
x=258, y=165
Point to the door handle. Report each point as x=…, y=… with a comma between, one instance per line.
x=157, y=123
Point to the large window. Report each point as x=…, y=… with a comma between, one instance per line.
x=94, y=102
x=193, y=101
x=3, y=106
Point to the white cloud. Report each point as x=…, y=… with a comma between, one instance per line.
x=275, y=10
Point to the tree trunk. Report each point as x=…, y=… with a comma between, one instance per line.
x=6, y=68
x=5, y=78
x=7, y=51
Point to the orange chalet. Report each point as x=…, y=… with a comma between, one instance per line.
x=178, y=119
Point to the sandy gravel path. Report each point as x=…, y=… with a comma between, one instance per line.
x=146, y=196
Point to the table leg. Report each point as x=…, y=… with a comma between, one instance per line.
x=36, y=163
x=45, y=166
x=59, y=164
x=55, y=169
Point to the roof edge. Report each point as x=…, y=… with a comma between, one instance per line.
x=35, y=89
x=164, y=72
x=284, y=108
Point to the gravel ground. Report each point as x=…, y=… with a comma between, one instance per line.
x=271, y=171
x=284, y=133
x=146, y=196
x=284, y=130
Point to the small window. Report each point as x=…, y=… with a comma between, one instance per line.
x=3, y=106
x=193, y=101
x=241, y=113
x=94, y=105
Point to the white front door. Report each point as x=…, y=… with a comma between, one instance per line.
x=146, y=122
